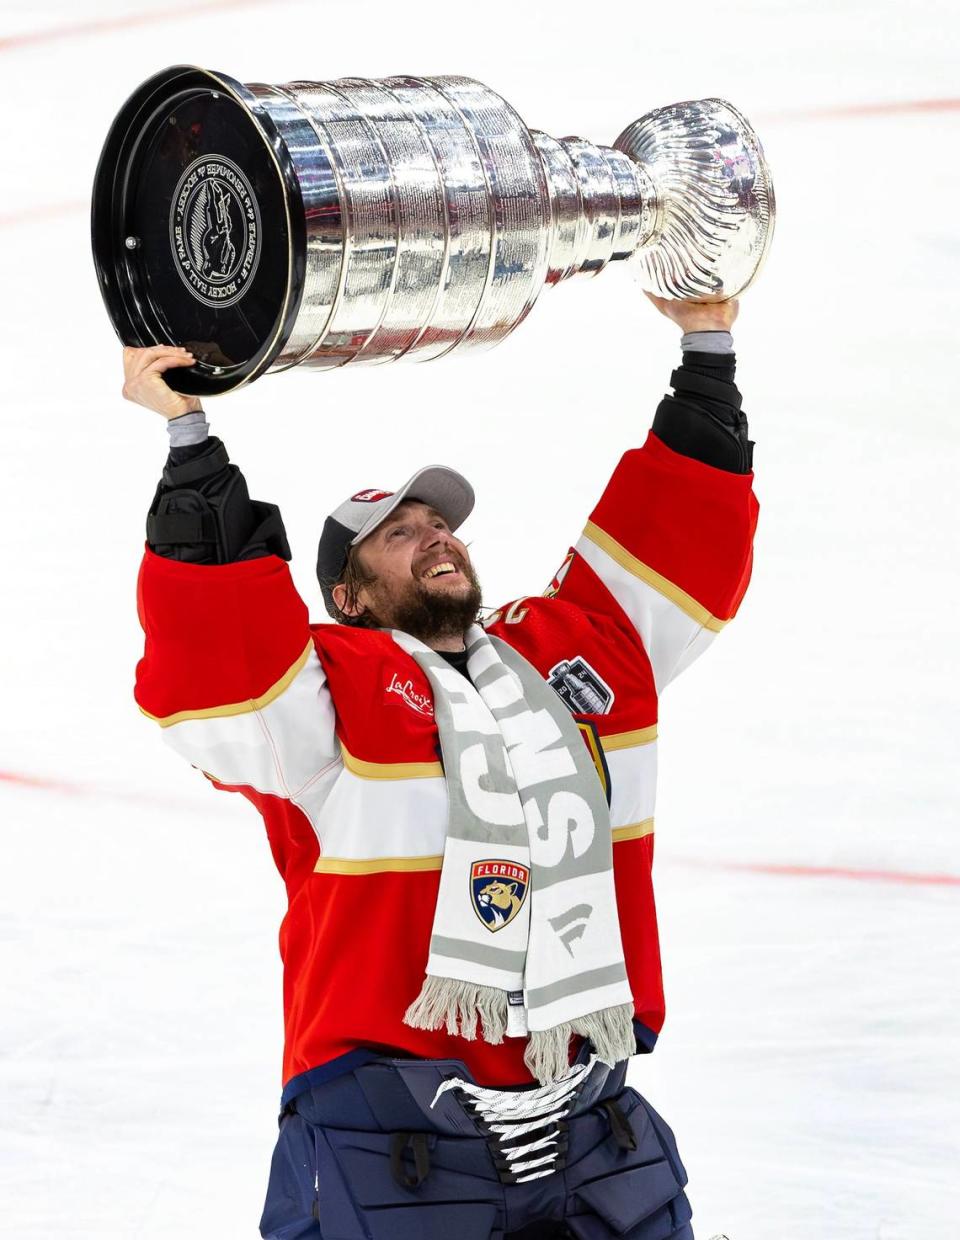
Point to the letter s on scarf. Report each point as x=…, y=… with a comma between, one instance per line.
x=502, y=809
x=568, y=817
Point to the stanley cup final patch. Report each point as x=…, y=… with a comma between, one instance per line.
x=215, y=230
x=581, y=686
x=497, y=891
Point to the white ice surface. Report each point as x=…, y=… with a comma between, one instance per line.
x=809, y=1064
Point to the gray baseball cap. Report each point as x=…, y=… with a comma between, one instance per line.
x=357, y=517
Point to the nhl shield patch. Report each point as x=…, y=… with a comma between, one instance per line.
x=497, y=891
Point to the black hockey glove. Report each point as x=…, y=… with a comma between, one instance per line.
x=202, y=513
x=704, y=419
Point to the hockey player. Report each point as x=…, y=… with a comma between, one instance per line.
x=462, y=814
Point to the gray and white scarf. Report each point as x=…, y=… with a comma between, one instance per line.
x=526, y=938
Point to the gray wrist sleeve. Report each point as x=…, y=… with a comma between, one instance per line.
x=707, y=342
x=188, y=429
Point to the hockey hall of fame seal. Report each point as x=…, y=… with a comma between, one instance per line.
x=215, y=230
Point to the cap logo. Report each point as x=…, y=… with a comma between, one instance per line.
x=369, y=497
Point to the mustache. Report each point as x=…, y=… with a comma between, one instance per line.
x=454, y=557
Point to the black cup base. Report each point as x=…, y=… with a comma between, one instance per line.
x=198, y=228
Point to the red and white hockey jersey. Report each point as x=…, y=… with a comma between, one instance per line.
x=329, y=731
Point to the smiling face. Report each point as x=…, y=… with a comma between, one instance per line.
x=419, y=578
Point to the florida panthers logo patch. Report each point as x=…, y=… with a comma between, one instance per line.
x=497, y=891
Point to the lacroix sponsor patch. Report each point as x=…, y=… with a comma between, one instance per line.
x=406, y=692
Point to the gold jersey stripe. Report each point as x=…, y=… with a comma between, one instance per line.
x=238, y=708
x=635, y=831
x=375, y=865
x=390, y=770
x=681, y=598
x=380, y=865
x=627, y=740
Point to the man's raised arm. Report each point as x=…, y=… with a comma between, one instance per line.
x=201, y=512
x=703, y=419
x=671, y=538
x=229, y=669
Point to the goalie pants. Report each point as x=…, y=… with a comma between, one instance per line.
x=365, y=1157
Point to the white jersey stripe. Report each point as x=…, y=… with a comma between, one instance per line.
x=671, y=636
x=278, y=747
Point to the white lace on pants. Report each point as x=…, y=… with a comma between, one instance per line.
x=511, y=1114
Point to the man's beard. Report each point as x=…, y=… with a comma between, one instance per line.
x=427, y=615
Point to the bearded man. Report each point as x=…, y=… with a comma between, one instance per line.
x=462, y=813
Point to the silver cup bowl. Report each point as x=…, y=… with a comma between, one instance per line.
x=325, y=223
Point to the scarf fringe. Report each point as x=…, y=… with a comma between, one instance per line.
x=610, y=1030
x=445, y=1001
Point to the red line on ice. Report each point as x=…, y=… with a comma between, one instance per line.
x=33, y=38
x=829, y=871
x=30, y=215
x=893, y=107
x=36, y=781
x=41, y=783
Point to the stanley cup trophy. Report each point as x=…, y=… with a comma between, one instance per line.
x=358, y=221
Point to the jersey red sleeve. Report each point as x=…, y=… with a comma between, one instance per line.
x=671, y=541
x=215, y=634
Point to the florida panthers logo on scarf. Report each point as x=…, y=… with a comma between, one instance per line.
x=498, y=889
